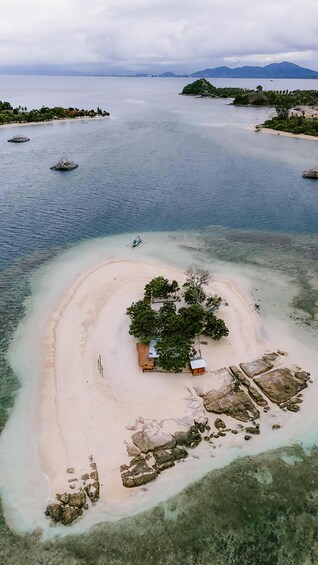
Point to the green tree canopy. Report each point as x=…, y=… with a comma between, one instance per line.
x=174, y=351
x=215, y=327
x=193, y=294
x=159, y=287
x=144, y=321
x=193, y=320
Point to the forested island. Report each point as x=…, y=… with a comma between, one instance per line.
x=296, y=110
x=21, y=114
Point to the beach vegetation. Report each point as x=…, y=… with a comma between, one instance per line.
x=160, y=287
x=144, y=323
x=20, y=114
x=293, y=124
x=175, y=329
x=174, y=351
x=215, y=327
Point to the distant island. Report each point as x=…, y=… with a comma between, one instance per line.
x=272, y=71
x=275, y=70
x=21, y=114
x=296, y=110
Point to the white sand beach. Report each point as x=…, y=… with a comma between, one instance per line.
x=70, y=412
x=55, y=121
x=252, y=127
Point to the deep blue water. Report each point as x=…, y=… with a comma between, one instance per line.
x=161, y=162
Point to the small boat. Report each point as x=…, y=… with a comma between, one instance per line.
x=136, y=241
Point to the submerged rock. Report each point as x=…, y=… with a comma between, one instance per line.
x=18, y=139
x=64, y=165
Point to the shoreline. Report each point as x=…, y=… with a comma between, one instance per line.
x=72, y=412
x=81, y=119
x=252, y=127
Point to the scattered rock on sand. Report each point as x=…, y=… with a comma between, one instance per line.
x=256, y=367
x=281, y=385
x=70, y=470
x=219, y=424
x=253, y=431
x=276, y=427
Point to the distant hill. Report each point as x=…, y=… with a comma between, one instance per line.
x=275, y=70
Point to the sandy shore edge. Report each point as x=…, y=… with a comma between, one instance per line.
x=82, y=119
x=252, y=127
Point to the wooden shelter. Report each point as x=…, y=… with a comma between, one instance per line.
x=144, y=362
x=198, y=366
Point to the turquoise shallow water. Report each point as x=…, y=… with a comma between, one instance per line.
x=165, y=162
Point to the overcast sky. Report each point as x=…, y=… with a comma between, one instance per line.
x=181, y=35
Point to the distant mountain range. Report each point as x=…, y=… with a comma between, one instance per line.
x=275, y=70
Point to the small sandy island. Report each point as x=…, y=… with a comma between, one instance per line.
x=95, y=410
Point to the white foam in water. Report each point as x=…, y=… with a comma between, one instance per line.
x=26, y=488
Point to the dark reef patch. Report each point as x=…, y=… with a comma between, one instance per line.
x=229, y=518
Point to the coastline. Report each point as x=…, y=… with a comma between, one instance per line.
x=81, y=119
x=72, y=412
x=252, y=127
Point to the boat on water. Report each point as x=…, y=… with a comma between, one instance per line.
x=136, y=241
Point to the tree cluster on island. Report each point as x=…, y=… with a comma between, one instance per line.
x=282, y=100
x=175, y=329
x=20, y=114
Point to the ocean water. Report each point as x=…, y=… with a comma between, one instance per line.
x=164, y=162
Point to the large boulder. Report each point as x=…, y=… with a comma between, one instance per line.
x=256, y=367
x=281, y=385
x=257, y=397
x=70, y=514
x=54, y=511
x=163, y=459
x=232, y=402
x=77, y=499
x=153, y=437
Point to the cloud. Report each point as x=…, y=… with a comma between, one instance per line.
x=145, y=33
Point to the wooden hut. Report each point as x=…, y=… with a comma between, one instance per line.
x=198, y=366
x=144, y=362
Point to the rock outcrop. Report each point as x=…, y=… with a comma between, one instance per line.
x=138, y=473
x=152, y=437
x=281, y=384
x=72, y=504
x=18, y=139
x=231, y=402
x=64, y=165
x=311, y=173
x=256, y=367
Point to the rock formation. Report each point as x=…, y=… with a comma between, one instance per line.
x=311, y=173
x=71, y=505
x=18, y=139
x=64, y=165
x=230, y=401
x=281, y=385
x=256, y=367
